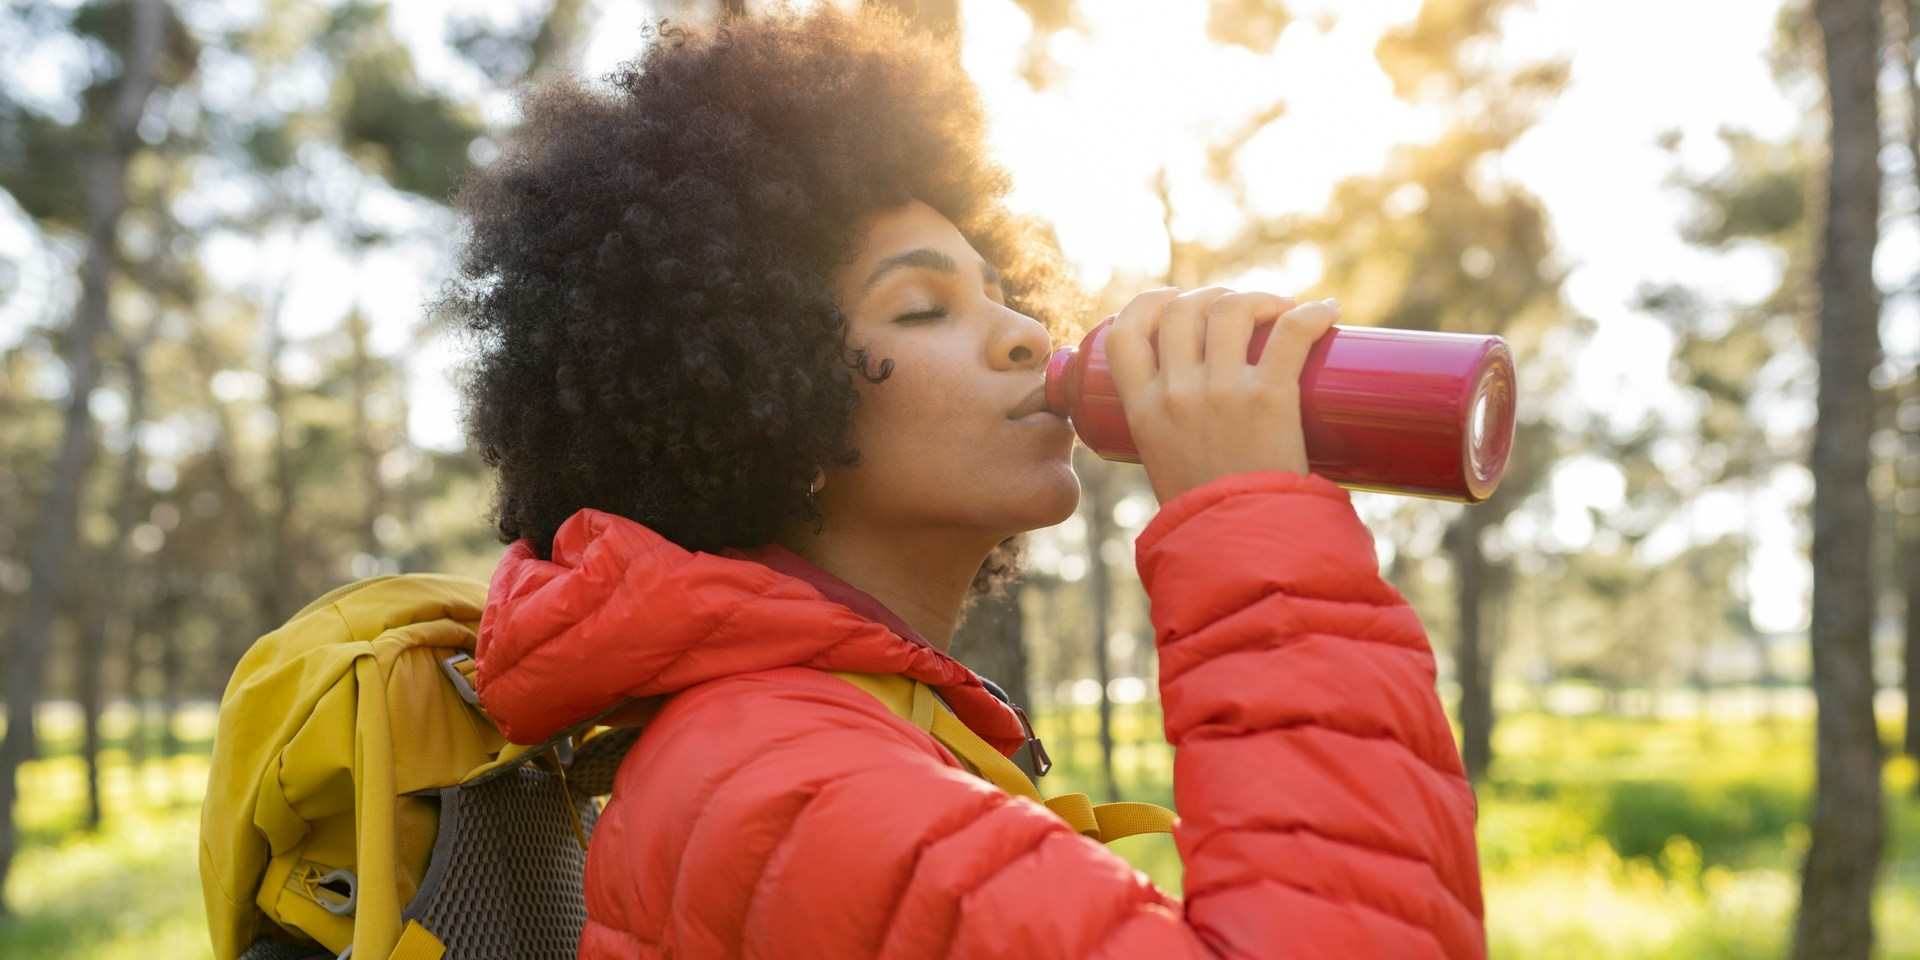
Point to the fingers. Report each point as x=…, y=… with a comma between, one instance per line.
x=1209, y=328
x=1293, y=337
x=1183, y=329
x=1230, y=323
x=1129, y=341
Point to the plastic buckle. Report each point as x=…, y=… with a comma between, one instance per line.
x=343, y=908
x=461, y=685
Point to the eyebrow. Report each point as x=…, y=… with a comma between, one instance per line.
x=923, y=258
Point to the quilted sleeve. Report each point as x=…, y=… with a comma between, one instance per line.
x=1323, y=809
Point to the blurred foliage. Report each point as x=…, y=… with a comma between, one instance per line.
x=1726, y=821
x=1254, y=24
x=415, y=138
x=244, y=468
x=1437, y=53
x=1761, y=196
x=41, y=154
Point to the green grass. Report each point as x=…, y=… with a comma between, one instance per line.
x=1603, y=837
x=1600, y=838
x=129, y=892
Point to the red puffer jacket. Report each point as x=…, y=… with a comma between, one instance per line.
x=770, y=810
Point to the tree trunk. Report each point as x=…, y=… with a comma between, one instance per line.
x=258, y=551
x=93, y=646
x=279, y=574
x=1904, y=23
x=374, y=489
x=57, y=530
x=1705, y=617
x=1910, y=572
x=1472, y=662
x=1100, y=603
x=172, y=683
x=107, y=608
x=1843, y=861
x=991, y=641
x=1906, y=532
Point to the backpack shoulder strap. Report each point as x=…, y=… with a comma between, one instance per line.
x=916, y=703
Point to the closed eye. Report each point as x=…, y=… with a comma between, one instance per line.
x=934, y=313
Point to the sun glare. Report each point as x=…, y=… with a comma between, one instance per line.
x=1146, y=93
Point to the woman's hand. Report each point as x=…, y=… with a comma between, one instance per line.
x=1201, y=411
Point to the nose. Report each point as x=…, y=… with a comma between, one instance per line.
x=1020, y=341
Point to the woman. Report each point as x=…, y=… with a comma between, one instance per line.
x=759, y=353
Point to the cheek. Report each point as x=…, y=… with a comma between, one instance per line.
x=911, y=418
x=922, y=402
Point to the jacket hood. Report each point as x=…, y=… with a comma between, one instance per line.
x=620, y=612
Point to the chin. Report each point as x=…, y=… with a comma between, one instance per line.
x=1050, y=499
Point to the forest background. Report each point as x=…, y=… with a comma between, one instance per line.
x=1676, y=642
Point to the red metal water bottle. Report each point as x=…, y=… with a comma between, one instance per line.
x=1392, y=411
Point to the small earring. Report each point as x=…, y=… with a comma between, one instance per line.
x=812, y=487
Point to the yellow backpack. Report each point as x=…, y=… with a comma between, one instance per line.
x=361, y=803
x=360, y=800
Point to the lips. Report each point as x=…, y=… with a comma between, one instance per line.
x=1034, y=403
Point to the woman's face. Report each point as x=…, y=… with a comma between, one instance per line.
x=946, y=442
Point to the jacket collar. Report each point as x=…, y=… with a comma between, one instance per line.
x=621, y=612
x=781, y=560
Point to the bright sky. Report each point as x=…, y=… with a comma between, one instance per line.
x=1143, y=87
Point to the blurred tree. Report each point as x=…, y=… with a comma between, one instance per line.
x=1097, y=490
x=1734, y=363
x=1436, y=241
x=107, y=135
x=543, y=38
x=1439, y=242
x=251, y=468
x=1842, y=863
x=414, y=137
x=1903, y=27
x=106, y=613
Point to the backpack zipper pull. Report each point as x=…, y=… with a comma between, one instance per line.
x=1036, y=751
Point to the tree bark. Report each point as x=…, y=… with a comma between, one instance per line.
x=1471, y=659
x=280, y=572
x=1100, y=602
x=1910, y=571
x=372, y=451
x=991, y=641
x=1842, y=864
x=57, y=531
x=1904, y=24
x=258, y=552
x=107, y=608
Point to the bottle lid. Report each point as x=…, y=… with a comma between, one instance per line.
x=1058, y=399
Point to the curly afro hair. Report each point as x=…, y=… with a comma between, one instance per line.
x=645, y=270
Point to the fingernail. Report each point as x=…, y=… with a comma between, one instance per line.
x=1331, y=302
